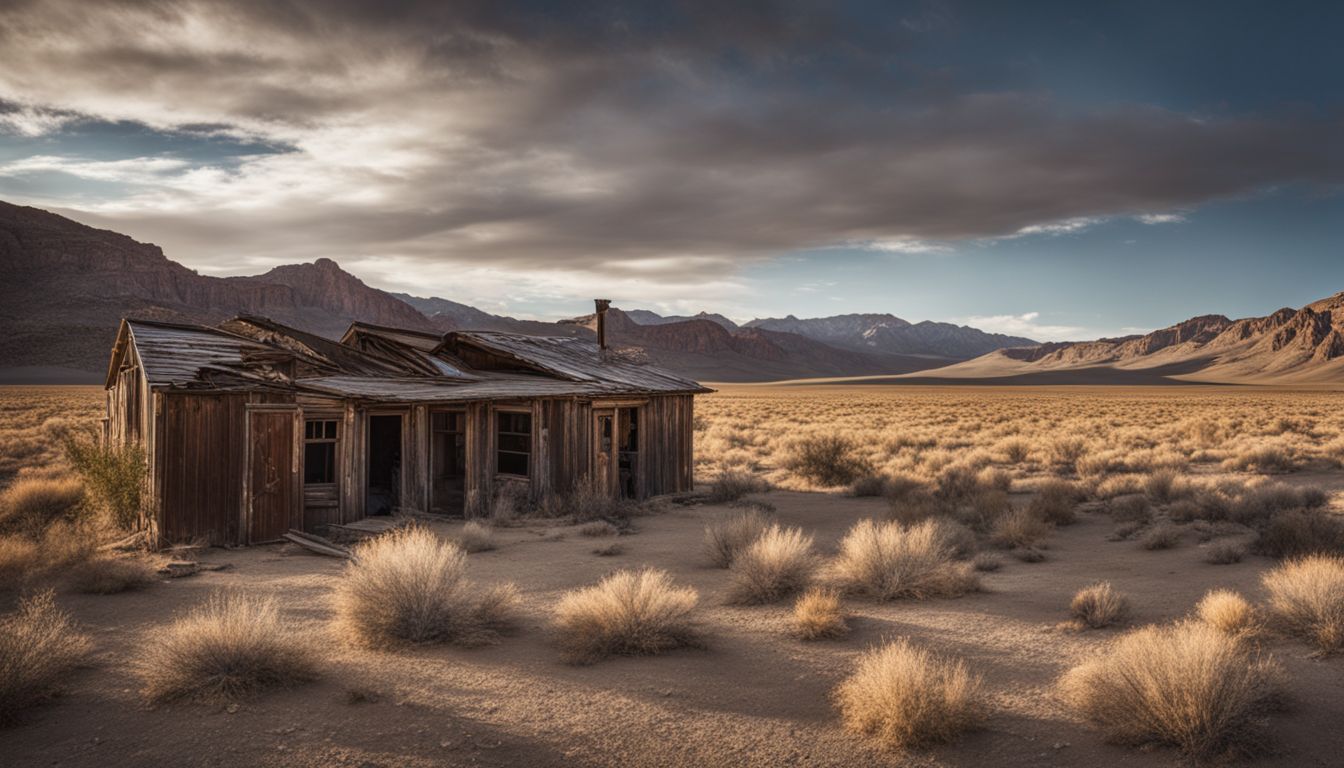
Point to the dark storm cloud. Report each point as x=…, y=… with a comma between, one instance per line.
x=537, y=137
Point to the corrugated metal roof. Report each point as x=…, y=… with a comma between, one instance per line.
x=575, y=359
x=211, y=358
x=188, y=355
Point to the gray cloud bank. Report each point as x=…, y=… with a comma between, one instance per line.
x=525, y=138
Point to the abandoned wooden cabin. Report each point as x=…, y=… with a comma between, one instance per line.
x=253, y=428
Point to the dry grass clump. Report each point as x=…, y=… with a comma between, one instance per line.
x=778, y=564
x=826, y=460
x=30, y=504
x=906, y=696
x=733, y=484
x=1099, y=606
x=475, y=536
x=39, y=645
x=598, y=528
x=869, y=486
x=1267, y=459
x=1228, y=612
x=410, y=586
x=1306, y=599
x=732, y=533
x=985, y=562
x=819, y=615
x=231, y=647
x=628, y=613
x=609, y=550
x=1020, y=528
x=1065, y=452
x=1224, y=553
x=1300, y=532
x=1164, y=486
x=1161, y=536
x=888, y=561
x=1255, y=504
x=109, y=575
x=19, y=559
x=1054, y=502
x=1189, y=686
x=1132, y=508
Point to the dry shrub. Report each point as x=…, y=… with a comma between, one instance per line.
x=475, y=536
x=1124, y=531
x=30, y=504
x=1166, y=485
x=1054, y=502
x=1306, y=599
x=992, y=479
x=1118, y=485
x=39, y=645
x=1134, y=508
x=888, y=561
x=1300, y=532
x=1161, y=536
x=906, y=696
x=1224, y=553
x=958, y=538
x=114, y=474
x=819, y=615
x=231, y=647
x=1228, y=612
x=869, y=486
x=1019, y=528
x=985, y=562
x=19, y=560
x=1268, y=459
x=984, y=509
x=609, y=550
x=629, y=613
x=1014, y=450
x=598, y=529
x=1029, y=555
x=733, y=484
x=410, y=586
x=1187, y=685
x=1099, y=606
x=1066, y=451
x=826, y=460
x=912, y=507
x=1257, y=504
x=732, y=533
x=109, y=575
x=778, y=564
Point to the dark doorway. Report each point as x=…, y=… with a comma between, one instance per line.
x=384, y=462
x=627, y=447
x=447, y=461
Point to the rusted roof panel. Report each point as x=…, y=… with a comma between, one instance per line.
x=180, y=355
x=577, y=360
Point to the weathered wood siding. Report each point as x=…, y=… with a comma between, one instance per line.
x=199, y=467
x=665, y=444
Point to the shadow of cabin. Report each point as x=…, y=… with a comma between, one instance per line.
x=253, y=428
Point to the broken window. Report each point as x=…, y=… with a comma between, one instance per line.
x=513, y=443
x=319, y=451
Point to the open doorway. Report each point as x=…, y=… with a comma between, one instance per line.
x=383, y=494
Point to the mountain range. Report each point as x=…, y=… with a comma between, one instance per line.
x=64, y=286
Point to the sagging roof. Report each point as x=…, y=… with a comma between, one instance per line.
x=389, y=364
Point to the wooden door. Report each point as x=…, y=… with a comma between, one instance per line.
x=273, y=475
x=604, y=450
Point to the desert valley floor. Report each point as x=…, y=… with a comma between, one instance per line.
x=754, y=695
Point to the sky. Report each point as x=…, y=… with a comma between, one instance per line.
x=1051, y=170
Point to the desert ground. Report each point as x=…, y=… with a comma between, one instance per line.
x=1146, y=464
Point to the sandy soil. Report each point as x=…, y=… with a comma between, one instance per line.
x=754, y=697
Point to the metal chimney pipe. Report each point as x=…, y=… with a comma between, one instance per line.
x=602, y=306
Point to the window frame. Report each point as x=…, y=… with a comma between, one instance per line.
x=334, y=441
x=498, y=431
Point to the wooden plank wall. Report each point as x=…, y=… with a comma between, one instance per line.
x=665, y=437
x=200, y=467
